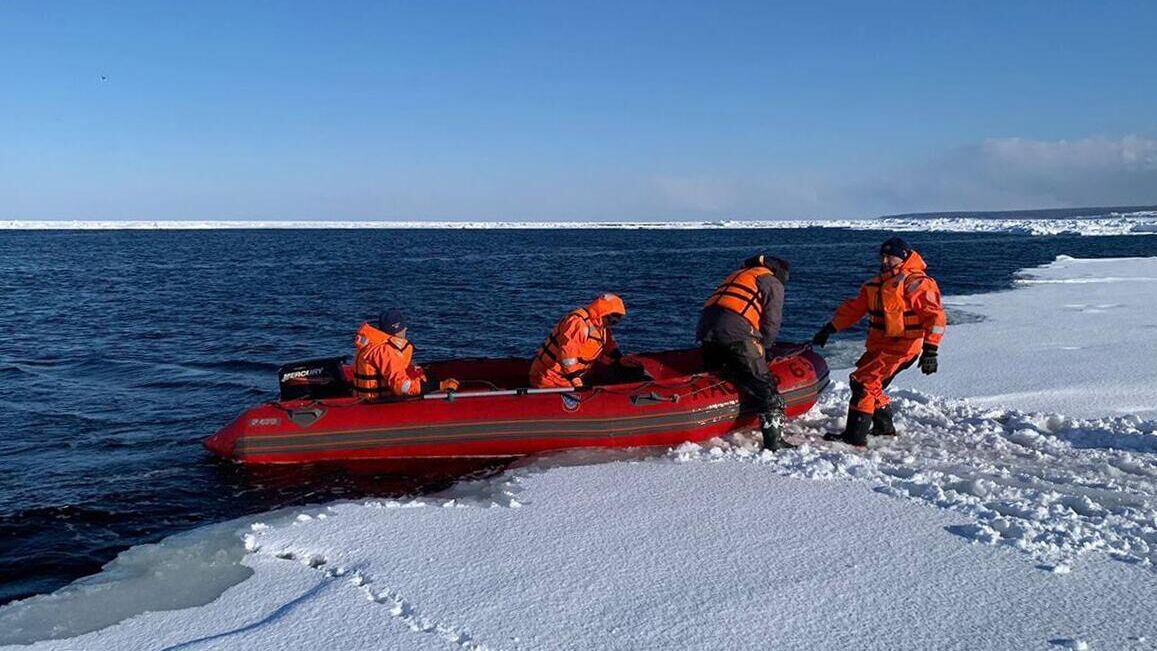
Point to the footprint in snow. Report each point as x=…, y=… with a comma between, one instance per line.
x=397, y=606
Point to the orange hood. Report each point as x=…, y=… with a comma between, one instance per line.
x=606, y=304
x=368, y=335
x=912, y=263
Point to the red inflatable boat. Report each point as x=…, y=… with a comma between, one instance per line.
x=668, y=401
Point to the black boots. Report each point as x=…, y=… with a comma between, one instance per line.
x=882, y=422
x=857, y=430
x=772, y=426
x=860, y=425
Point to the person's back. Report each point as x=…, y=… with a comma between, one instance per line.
x=580, y=340
x=383, y=365
x=747, y=305
x=737, y=326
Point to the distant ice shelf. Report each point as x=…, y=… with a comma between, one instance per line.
x=1133, y=223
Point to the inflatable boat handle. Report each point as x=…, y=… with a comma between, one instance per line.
x=455, y=395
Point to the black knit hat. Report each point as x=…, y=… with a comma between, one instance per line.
x=896, y=247
x=392, y=322
x=778, y=266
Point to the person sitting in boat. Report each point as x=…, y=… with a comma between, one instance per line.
x=905, y=322
x=582, y=339
x=737, y=327
x=383, y=365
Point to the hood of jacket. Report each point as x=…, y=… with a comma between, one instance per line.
x=368, y=335
x=913, y=263
x=606, y=304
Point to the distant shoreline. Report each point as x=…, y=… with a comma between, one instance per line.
x=1079, y=221
x=1032, y=213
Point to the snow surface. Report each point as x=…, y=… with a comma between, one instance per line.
x=691, y=550
x=1133, y=223
x=982, y=526
x=1076, y=337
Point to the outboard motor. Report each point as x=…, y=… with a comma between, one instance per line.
x=314, y=378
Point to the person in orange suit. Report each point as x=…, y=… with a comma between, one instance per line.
x=383, y=366
x=906, y=323
x=582, y=339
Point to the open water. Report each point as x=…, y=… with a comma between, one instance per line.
x=120, y=351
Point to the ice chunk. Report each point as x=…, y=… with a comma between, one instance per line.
x=181, y=571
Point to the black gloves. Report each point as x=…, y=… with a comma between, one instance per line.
x=928, y=364
x=821, y=338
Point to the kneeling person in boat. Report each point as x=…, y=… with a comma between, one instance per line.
x=383, y=366
x=906, y=322
x=738, y=325
x=582, y=339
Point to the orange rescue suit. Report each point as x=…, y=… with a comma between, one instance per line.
x=383, y=365
x=740, y=293
x=574, y=346
x=904, y=315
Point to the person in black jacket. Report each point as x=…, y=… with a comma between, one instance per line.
x=737, y=328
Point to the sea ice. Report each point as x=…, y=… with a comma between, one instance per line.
x=1076, y=337
x=1134, y=223
x=731, y=553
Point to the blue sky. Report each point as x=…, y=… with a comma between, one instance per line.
x=553, y=110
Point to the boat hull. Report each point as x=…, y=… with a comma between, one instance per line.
x=681, y=404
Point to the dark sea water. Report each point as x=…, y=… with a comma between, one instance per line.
x=120, y=351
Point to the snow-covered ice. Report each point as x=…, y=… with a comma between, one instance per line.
x=1132, y=223
x=1076, y=337
x=673, y=552
x=1012, y=513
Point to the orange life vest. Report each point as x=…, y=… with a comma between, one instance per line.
x=888, y=306
x=575, y=344
x=902, y=305
x=382, y=366
x=570, y=364
x=740, y=293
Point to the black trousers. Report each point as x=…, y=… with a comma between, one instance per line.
x=742, y=363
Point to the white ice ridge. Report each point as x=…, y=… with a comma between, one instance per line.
x=1134, y=223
